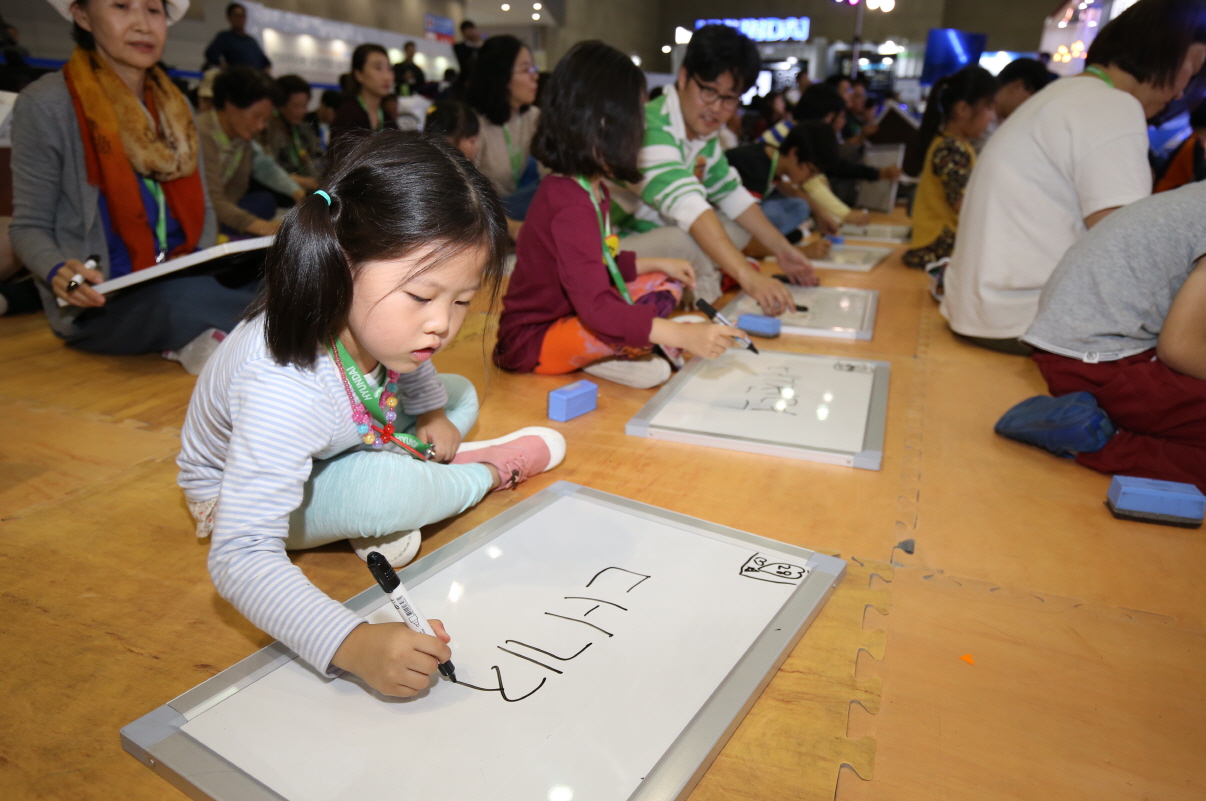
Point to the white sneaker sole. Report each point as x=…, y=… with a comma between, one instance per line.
x=552, y=439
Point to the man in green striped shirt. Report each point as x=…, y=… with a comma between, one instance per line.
x=691, y=203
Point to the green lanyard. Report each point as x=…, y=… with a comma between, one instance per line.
x=371, y=398
x=770, y=181
x=160, y=224
x=224, y=146
x=300, y=156
x=516, y=158
x=609, y=256
x=1100, y=73
x=380, y=112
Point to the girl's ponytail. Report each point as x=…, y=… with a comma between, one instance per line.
x=931, y=123
x=309, y=279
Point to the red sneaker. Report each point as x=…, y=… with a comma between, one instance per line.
x=516, y=456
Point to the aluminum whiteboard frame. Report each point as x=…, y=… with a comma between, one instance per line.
x=865, y=332
x=880, y=195
x=156, y=739
x=869, y=458
x=830, y=264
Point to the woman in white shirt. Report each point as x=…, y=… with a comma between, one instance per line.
x=1069, y=156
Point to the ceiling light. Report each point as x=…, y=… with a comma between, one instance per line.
x=666, y=48
x=535, y=16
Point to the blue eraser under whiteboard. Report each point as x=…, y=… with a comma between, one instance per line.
x=759, y=325
x=837, y=240
x=1152, y=501
x=573, y=400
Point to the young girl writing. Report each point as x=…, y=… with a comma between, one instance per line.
x=575, y=301
x=960, y=109
x=302, y=427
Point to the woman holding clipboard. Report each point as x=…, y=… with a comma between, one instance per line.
x=106, y=182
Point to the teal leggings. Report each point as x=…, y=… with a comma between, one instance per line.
x=375, y=493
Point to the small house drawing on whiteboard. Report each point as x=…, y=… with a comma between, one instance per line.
x=763, y=569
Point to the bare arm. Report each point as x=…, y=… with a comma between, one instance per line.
x=794, y=264
x=1182, y=343
x=709, y=233
x=1098, y=216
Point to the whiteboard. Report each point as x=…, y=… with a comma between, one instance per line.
x=616, y=645
x=801, y=406
x=895, y=234
x=821, y=311
x=853, y=258
x=880, y=195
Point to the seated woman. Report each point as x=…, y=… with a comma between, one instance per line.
x=575, y=301
x=243, y=103
x=373, y=78
x=502, y=91
x=289, y=139
x=1068, y=157
x=960, y=109
x=457, y=123
x=120, y=183
x=1120, y=338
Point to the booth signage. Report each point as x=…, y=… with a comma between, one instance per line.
x=765, y=29
x=439, y=29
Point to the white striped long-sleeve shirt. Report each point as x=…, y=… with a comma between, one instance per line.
x=671, y=192
x=252, y=433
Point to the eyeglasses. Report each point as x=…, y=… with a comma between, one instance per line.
x=531, y=69
x=709, y=96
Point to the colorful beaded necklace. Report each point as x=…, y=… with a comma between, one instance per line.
x=362, y=399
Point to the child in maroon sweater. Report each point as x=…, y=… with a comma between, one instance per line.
x=575, y=301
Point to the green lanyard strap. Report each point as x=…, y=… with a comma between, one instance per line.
x=224, y=146
x=380, y=113
x=516, y=157
x=770, y=181
x=370, y=398
x=611, y=244
x=1100, y=73
x=160, y=224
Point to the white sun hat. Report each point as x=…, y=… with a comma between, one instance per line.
x=175, y=9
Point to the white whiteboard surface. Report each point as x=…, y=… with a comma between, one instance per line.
x=634, y=640
x=801, y=406
x=852, y=258
x=896, y=234
x=828, y=311
x=880, y=195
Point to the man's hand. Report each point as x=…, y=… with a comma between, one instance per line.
x=797, y=268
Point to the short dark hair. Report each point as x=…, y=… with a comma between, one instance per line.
x=818, y=101
x=467, y=24
x=393, y=194
x=836, y=79
x=1030, y=71
x=717, y=49
x=230, y=7
x=593, y=121
x=408, y=44
x=822, y=143
x=490, y=86
x=331, y=99
x=799, y=141
x=289, y=85
x=452, y=120
x=360, y=58
x=242, y=87
x=1150, y=39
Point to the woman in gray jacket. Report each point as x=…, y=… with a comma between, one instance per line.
x=106, y=165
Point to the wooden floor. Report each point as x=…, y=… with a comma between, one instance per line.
x=1088, y=634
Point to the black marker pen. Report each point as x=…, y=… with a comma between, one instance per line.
x=717, y=317
x=381, y=569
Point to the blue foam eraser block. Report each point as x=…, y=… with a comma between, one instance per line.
x=837, y=240
x=573, y=400
x=759, y=325
x=1156, y=501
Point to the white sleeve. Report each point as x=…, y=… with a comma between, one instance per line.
x=1112, y=170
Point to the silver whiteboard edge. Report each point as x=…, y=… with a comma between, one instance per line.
x=872, y=454
x=865, y=332
x=157, y=740
x=758, y=446
x=688, y=759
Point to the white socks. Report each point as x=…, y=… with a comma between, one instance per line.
x=196, y=353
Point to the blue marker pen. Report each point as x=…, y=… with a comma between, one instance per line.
x=381, y=569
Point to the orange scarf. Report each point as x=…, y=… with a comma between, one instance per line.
x=123, y=141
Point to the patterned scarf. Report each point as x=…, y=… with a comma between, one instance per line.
x=124, y=140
